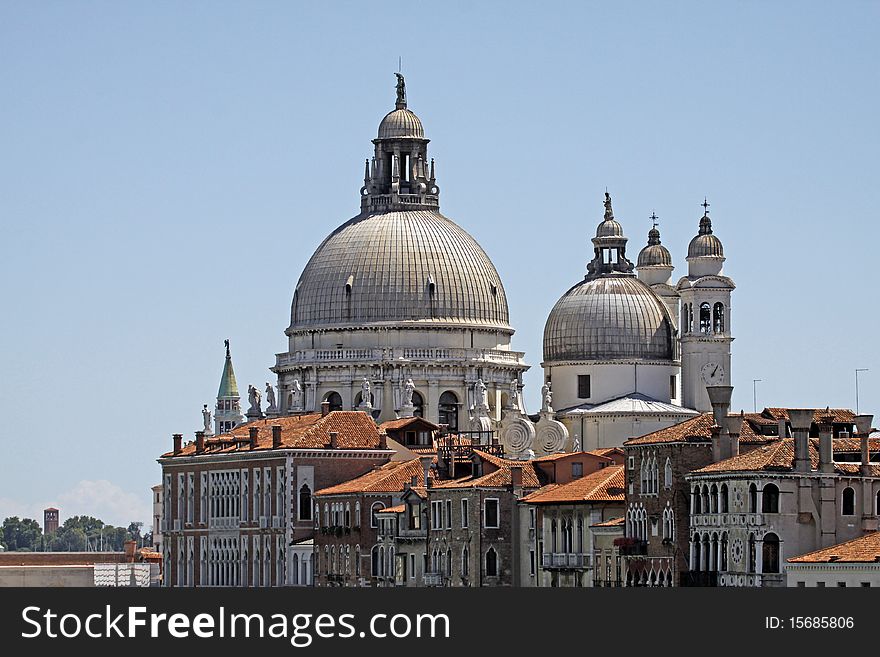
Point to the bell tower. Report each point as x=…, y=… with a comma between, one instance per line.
x=705, y=321
x=227, y=413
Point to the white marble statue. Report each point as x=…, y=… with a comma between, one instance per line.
x=254, y=397
x=546, y=399
x=513, y=399
x=408, y=389
x=481, y=396
x=295, y=397
x=270, y=396
x=206, y=418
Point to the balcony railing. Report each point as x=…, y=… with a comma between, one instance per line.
x=308, y=356
x=566, y=560
x=434, y=579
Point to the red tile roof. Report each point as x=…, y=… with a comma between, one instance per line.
x=563, y=455
x=356, y=430
x=499, y=478
x=605, y=485
x=614, y=522
x=389, y=478
x=696, y=430
x=400, y=508
x=778, y=457
x=405, y=421
x=865, y=549
x=840, y=415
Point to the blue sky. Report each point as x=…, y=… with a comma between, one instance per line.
x=166, y=169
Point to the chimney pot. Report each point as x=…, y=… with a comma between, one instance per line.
x=863, y=424
x=130, y=551
x=252, y=436
x=200, y=442
x=383, y=440
x=334, y=439
x=426, y=469
x=325, y=408
x=276, y=436
x=516, y=476
x=826, y=449
x=178, y=440
x=801, y=420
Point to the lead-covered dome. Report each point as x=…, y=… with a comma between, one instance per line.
x=399, y=268
x=612, y=317
x=705, y=243
x=654, y=254
x=401, y=123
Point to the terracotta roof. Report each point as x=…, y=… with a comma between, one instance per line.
x=840, y=415
x=562, y=455
x=400, y=508
x=389, y=478
x=696, y=430
x=865, y=549
x=778, y=457
x=605, y=451
x=356, y=430
x=605, y=485
x=500, y=478
x=614, y=522
x=404, y=421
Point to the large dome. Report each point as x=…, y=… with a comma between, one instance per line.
x=608, y=318
x=407, y=268
x=401, y=123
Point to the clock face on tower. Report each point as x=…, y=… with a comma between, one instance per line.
x=712, y=373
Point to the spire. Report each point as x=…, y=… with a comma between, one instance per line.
x=654, y=233
x=705, y=221
x=401, y=92
x=228, y=385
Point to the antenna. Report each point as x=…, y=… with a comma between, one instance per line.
x=399, y=64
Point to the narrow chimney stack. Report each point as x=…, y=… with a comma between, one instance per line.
x=863, y=428
x=801, y=420
x=719, y=397
x=783, y=428
x=200, y=442
x=334, y=439
x=734, y=428
x=178, y=441
x=426, y=469
x=325, y=408
x=383, y=440
x=414, y=481
x=252, y=436
x=516, y=476
x=130, y=551
x=826, y=447
x=276, y=436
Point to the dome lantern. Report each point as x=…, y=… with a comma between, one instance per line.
x=609, y=247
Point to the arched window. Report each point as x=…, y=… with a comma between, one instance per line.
x=770, y=499
x=718, y=318
x=713, y=499
x=723, y=499
x=491, y=563
x=724, y=551
x=419, y=404
x=357, y=560
x=770, y=554
x=448, y=410
x=705, y=318
x=465, y=561
x=753, y=498
x=553, y=536
x=848, y=505
x=704, y=501
x=752, y=554
x=667, y=474
x=348, y=514
x=295, y=567
x=377, y=506
x=697, y=544
x=684, y=319
x=357, y=514
x=335, y=400
x=695, y=500
x=326, y=515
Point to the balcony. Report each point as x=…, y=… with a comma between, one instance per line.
x=422, y=354
x=566, y=560
x=434, y=579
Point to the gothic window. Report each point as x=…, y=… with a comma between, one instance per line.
x=848, y=506
x=704, y=500
x=448, y=410
x=713, y=499
x=491, y=563
x=770, y=554
x=723, y=501
x=357, y=560
x=753, y=498
x=375, y=561
x=695, y=564
x=553, y=535
x=335, y=400
x=377, y=506
x=705, y=318
x=695, y=501
x=667, y=474
x=465, y=561
x=718, y=318
x=752, y=554
x=684, y=318
x=770, y=499
x=347, y=514
x=724, y=544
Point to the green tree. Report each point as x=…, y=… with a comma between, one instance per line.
x=21, y=534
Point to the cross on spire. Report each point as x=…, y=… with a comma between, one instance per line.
x=654, y=218
x=705, y=205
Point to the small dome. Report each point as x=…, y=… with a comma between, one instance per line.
x=609, y=318
x=705, y=245
x=609, y=228
x=401, y=123
x=655, y=255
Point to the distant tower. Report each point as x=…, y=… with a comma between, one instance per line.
x=654, y=267
x=228, y=411
x=50, y=521
x=705, y=318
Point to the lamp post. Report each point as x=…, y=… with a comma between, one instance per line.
x=755, y=383
x=861, y=369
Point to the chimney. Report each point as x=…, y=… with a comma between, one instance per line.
x=334, y=439
x=734, y=428
x=719, y=397
x=130, y=551
x=783, y=428
x=252, y=436
x=426, y=468
x=863, y=428
x=801, y=420
x=325, y=408
x=383, y=440
x=414, y=481
x=516, y=476
x=200, y=442
x=826, y=448
x=178, y=439
x=276, y=436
